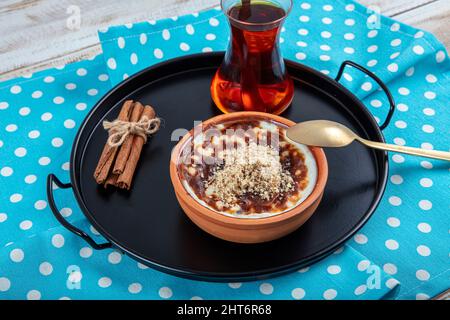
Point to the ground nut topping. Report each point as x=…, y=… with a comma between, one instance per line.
x=247, y=169
x=250, y=169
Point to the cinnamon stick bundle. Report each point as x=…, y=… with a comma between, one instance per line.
x=125, y=148
x=109, y=153
x=124, y=179
x=127, y=135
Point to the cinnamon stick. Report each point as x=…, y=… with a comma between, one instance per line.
x=109, y=153
x=125, y=148
x=124, y=180
x=111, y=180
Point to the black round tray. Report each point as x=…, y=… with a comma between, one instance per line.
x=147, y=222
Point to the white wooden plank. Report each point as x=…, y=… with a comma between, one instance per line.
x=392, y=8
x=434, y=17
x=35, y=33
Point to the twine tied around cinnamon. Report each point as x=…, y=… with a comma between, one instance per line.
x=119, y=130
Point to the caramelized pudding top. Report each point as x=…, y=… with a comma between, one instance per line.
x=246, y=168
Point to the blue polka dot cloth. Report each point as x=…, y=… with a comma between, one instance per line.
x=401, y=253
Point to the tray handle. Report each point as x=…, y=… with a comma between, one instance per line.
x=51, y=201
x=377, y=80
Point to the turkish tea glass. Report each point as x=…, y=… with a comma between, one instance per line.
x=252, y=76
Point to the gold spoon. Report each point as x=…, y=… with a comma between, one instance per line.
x=324, y=133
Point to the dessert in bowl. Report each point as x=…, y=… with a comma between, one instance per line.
x=239, y=178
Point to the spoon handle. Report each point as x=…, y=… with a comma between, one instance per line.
x=441, y=155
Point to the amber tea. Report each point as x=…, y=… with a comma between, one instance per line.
x=252, y=76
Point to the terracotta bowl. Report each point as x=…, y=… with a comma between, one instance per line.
x=247, y=230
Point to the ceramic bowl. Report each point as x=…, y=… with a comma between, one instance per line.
x=247, y=230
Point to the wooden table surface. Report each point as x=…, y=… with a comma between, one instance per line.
x=37, y=34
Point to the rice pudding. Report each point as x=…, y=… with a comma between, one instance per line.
x=247, y=169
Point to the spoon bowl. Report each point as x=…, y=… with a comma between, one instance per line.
x=324, y=133
x=321, y=133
